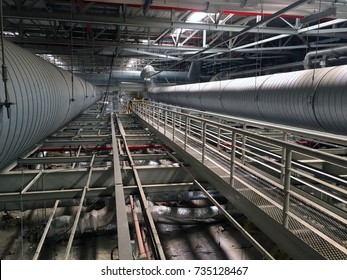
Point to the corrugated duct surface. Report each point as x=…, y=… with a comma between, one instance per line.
x=313, y=99
x=42, y=94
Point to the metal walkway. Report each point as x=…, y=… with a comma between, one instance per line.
x=295, y=194
x=282, y=186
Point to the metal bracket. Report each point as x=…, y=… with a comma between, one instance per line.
x=7, y=104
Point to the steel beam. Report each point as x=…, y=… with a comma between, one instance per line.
x=240, y=196
x=61, y=159
x=144, y=203
x=37, y=14
x=44, y=234
x=124, y=245
x=75, y=224
x=245, y=234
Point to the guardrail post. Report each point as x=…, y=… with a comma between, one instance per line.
x=284, y=138
x=244, y=127
x=165, y=122
x=186, y=133
x=173, y=126
x=203, y=141
x=153, y=115
x=218, y=138
x=286, y=196
x=158, y=116
x=232, y=159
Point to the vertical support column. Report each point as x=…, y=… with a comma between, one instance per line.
x=286, y=196
x=232, y=159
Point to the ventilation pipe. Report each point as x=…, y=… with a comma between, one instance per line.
x=311, y=99
x=105, y=217
x=147, y=71
x=176, y=77
x=42, y=94
x=194, y=72
x=324, y=54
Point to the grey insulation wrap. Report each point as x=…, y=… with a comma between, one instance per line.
x=312, y=99
x=42, y=97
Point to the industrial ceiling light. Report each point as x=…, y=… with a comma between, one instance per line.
x=195, y=17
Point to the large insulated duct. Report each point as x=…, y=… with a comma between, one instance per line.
x=43, y=101
x=313, y=99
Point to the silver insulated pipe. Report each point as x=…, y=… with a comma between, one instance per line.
x=43, y=101
x=312, y=99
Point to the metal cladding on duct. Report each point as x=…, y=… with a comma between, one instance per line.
x=313, y=99
x=42, y=94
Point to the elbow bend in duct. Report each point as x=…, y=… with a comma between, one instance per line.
x=42, y=94
x=100, y=219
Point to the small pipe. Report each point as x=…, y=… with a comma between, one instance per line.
x=148, y=252
x=137, y=228
x=327, y=52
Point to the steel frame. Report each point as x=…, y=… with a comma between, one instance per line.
x=171, y=123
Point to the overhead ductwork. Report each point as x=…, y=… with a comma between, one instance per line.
x=147, y=71
x=44, y=98
x=324, y=54
x=99, y=219
x=194, y=73
x=311, y=99
x=177, y=77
